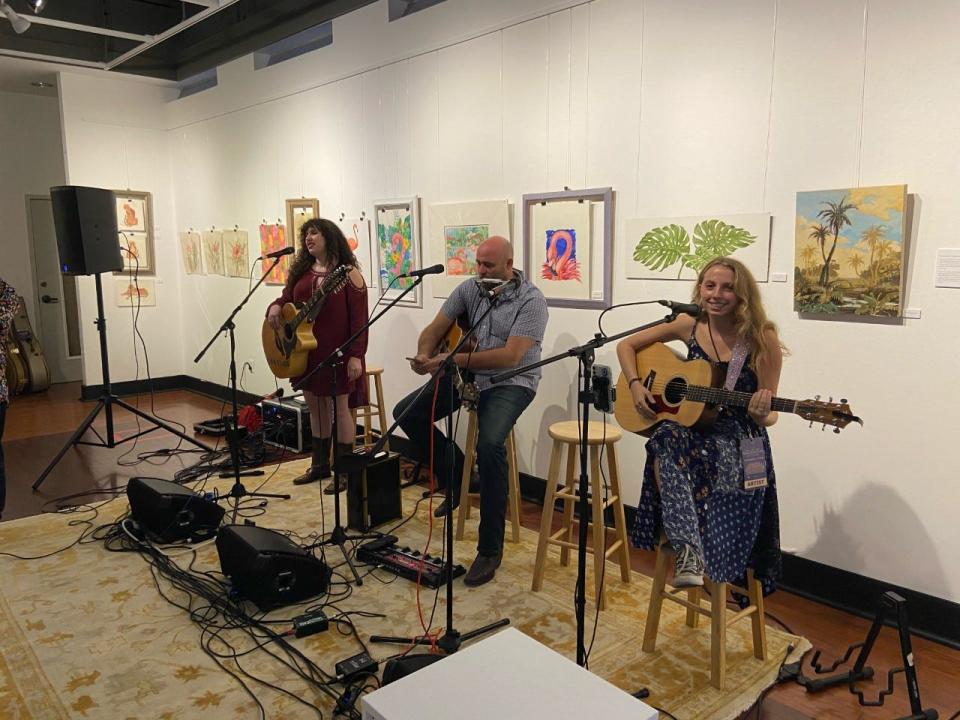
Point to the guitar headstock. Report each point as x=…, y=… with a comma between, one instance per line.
x=838, y=415
x=335, y=280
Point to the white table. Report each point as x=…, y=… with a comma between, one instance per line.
x=504, y=676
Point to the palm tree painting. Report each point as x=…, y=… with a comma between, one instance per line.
x=678, y=248
x=850, y=251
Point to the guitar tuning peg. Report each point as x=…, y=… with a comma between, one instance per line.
x=816, y=397
x=811, y=424
x=823, y=427
x=836, y=431
x=843, y=401
x=830, y=400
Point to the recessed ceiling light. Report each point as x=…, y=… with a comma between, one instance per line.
x=42, y=84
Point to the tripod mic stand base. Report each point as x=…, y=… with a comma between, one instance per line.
x=449, y=642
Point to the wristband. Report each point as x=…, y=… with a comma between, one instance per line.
x=636, y=379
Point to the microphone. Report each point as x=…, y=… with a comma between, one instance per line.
x=432, y=270
x=278, y=253
x=688, y=308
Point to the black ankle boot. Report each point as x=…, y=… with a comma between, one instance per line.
x=319, y=464
x=340, y=482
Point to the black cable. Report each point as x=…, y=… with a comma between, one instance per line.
x=614, y=307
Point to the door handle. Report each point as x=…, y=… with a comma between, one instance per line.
x=49, y=300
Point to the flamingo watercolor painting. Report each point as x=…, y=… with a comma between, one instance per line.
x=561, y=256
x=460, y=247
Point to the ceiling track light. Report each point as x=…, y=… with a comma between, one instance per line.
x=20, y=23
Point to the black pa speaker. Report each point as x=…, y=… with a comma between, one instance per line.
x=268, y=568
x=86, y=222
x=400, y=667
x=170, y=512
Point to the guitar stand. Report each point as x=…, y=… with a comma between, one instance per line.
x=890, y=603
x=106, y=402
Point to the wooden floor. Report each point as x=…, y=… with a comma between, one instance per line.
x=39, y=425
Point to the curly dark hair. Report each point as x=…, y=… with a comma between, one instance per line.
x=338, y=250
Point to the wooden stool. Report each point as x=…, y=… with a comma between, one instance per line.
x=375, y=407
x=715, y=610
x=568, y=433
x=513, y=480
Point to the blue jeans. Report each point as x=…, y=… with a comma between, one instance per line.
x=497, y=412
x=3, y=471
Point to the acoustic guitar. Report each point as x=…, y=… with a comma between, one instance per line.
x=463, y=380
x=26, y=364
x=286, y=350
x=690, y=392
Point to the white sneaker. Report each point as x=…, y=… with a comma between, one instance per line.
x=688, y=567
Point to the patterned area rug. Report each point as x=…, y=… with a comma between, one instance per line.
x=85, y=634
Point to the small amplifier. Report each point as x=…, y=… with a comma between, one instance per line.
x=286, y=423
x=373, y=492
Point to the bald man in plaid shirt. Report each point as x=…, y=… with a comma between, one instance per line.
x=510, y=336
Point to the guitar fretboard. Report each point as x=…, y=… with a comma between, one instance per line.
x=719, y=396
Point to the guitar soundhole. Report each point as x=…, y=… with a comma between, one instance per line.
x=675, y=391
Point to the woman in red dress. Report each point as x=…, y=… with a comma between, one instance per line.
x=323, y=248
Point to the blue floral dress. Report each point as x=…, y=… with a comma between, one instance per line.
x=702, y=501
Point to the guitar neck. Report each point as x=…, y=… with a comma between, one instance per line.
x=719, y=396
x=309, y=308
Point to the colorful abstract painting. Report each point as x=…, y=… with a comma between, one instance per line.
x=236, y=253
x=190, y=252
x=273, y=238
x=460, y=244
x=850, y=251
x=398, y=248
x=456, y=230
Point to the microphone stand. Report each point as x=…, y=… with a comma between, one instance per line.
x=338, y=536
x=451, y=640
x=233, y=432
x=585, y=354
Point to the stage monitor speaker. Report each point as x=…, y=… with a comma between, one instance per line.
x=400, y=667
x=85, y=219
x=170, y=512
x=268, y=568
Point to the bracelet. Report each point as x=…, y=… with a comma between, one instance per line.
x=636, y=379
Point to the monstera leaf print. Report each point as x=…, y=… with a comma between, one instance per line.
x=662, y=247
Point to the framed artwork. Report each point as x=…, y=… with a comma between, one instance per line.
x=568, y=245
x=134, y=223
x=850, y=254
x=273, y=238
x=236, y=253
x=142, y=293
x=398, y=247
x=298, y=212
x=212, y=242
x=678, y=248
x=455, y=232
x=190, y=249
x=357, y=232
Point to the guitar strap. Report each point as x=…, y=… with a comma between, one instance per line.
x=737, y=360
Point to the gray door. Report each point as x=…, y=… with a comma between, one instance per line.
x=58, y=318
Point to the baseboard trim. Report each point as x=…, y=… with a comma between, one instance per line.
x=169, y=382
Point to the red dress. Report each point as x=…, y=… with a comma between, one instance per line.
x=341, y=315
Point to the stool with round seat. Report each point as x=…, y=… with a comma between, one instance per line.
x=567, y=434
x=513, y=480
x=375, y=407
x=715, y=610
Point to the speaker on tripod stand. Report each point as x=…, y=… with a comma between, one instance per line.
x=88, y=243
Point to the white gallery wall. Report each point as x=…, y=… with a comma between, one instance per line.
x=31, y=161
x=684, y=107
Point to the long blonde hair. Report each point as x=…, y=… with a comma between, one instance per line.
x=750, y=319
